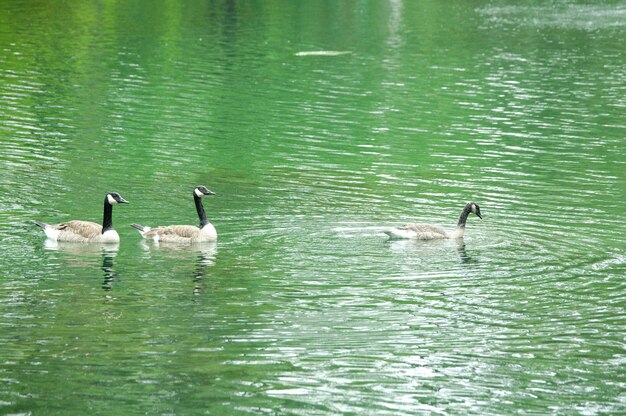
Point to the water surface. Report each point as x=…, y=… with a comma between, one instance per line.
x=317, y=124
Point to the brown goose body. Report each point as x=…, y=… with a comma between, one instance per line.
x=86, y=231
x=183, y=233
x=420, y=231
x=177, y=233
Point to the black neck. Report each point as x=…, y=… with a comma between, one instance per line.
x=107, y=220
x=200, y=209
x=464, y=214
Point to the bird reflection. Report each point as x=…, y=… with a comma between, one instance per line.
x=460, y=249
x=204, y=259
x=107, y=267
x=412, y=246
x=204, y=253
x=86, y=254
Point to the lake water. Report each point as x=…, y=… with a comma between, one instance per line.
x=318, y=124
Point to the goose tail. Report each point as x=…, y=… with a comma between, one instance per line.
x=142, y=229
x=51, y=231
x=398, y=234
x=41, y=224
x=137, y=227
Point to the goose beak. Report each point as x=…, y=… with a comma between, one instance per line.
x=478, y=214
x=209, y=193
x=123, y=201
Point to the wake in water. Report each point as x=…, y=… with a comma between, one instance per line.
x=351, y=232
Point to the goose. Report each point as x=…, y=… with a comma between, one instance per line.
x=183, y=233
x=433, y=232
x=87, y=231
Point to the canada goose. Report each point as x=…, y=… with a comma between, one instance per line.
x=86, y=231
x=432, y=232
x=184, y=233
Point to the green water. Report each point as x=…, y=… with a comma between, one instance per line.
x=303, y=307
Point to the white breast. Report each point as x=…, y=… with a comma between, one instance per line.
x=208, y=233
x=109, y=236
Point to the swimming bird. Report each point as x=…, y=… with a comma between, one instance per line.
x=432, y=232
x=183, y=233
x=87, y=231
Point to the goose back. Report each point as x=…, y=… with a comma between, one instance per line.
x=418, y=231
x=80, y=232
x=181, y=233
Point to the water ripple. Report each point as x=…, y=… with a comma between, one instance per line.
x=303, y=305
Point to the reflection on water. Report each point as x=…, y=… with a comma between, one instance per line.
x=205, y=252
x=308, y=309
x=81, y=254
x=430, y=249
x=322, y=53
x=109, y=272
x=463, y=256
x=77, y=251
x=565, y=15
x=202, y=254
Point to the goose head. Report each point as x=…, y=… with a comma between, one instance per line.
x=114, y=198
x=201, y=191
x=475, y=209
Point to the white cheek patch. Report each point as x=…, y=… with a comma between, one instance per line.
x=198, y=193
x=111, y=200
x=473, y=209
